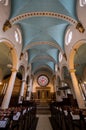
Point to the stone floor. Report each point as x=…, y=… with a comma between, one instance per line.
x=43, y=122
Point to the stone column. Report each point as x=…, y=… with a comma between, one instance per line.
x=7, y=97
x=55, y=86
x=29, y=90
x=21, y=96
x=78, y=95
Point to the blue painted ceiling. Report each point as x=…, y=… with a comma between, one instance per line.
x=43, y=29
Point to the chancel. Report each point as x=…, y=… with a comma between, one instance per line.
x=42, y=64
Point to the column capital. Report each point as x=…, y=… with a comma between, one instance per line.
x=14, y=70
x=23, y=80
x=72, y=70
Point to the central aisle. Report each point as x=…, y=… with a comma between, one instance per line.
x=43, y=123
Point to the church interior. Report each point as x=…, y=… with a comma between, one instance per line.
x=42, y=65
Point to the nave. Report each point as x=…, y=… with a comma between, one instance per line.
x=42, y=64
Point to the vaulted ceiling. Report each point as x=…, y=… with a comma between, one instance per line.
x=43, y=34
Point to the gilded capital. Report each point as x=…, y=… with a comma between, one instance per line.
x=72, y=70
x=14, y=70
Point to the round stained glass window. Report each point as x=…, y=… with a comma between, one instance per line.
x=43, y=80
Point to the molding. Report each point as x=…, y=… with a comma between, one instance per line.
x=41, y=14
x=41, y=57
x=29, y=46
x=72, y=70
x=14, y=70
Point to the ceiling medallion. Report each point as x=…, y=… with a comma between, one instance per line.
x=43, y=80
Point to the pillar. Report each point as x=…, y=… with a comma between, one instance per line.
x=78, y=95
x=29, y=90
x=55, y=85
x=7, y=97
x=55, y=80
x=21, y=96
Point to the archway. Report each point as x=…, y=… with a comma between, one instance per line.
x=8, y=64
x=80, y=65
x=73, y=62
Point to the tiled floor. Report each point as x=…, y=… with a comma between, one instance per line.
x=43, y=123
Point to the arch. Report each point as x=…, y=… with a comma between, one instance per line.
x=31, y=45
x=43, y=67
x=13, y=52
x=43, y=14
x=72, y=54
x=22, y=71
x=76, y=85
x=41, y=57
